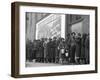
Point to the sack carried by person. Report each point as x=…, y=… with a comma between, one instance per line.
x=66, y=53
x=62, y=51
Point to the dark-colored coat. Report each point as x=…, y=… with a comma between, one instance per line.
x=87, y=48
x=83, y=46
x=29, y=51
x=34, y=49
x=78, y=47
x=50, y=50
x=72, y=49
x=41, y=50
x=54, y=48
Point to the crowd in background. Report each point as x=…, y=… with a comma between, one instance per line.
x=74, y=49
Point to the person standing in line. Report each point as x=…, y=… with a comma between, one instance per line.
x=41, y=50
x=72, y=47
x=29, y=52
x=61, y=47
x=34, y=50
x=57, y=51
x=38, y=51
x=54, y=48
x=87, y=49
x=67, y=46
x=78, y=48
x=83, y=48
x=45, y=49
x=50, y=51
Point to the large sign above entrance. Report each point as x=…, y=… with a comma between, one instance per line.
x=51, y=26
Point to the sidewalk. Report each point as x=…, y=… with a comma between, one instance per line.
x=36, y=64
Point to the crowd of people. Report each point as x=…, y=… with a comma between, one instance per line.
x=72, y=50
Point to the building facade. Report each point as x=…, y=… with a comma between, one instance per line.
x=45, y=25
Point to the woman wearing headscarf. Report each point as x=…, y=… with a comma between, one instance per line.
x=61, y=48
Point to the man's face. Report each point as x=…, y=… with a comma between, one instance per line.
x=73, y=35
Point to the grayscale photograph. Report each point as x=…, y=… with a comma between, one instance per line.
x=54, y=39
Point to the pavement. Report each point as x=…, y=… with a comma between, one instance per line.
x=37, y=64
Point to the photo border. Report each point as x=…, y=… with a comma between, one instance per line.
x=15, y=69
